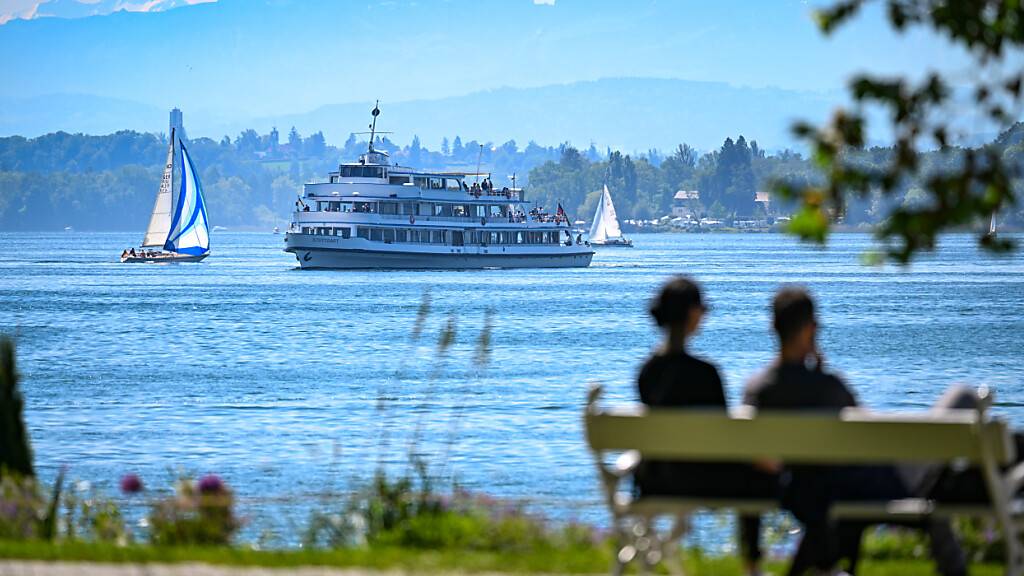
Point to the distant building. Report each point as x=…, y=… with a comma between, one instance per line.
x=763, y=199
x=178, y=124
x=685, y=203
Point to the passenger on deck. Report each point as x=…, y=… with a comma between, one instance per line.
x=671, y=377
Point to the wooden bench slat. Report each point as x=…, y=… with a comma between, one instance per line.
x=854, y=437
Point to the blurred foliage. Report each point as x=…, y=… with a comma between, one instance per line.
x=980, y=541
x=409, y=513
x=90, y=516
x=194, y=516
x=15, y=452
x=969, y=185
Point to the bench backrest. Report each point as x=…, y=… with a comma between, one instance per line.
x=853, y=436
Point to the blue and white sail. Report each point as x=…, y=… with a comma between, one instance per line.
x=190, y=228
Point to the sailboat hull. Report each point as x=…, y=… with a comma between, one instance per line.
x=618, y=243
x=163, y=257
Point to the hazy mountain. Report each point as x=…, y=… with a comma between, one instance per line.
x=624, y=113
x=485, y=69
x=77, y=113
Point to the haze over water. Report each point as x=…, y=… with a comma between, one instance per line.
x=272, y=377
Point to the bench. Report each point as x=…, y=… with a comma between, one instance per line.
x=618, y=436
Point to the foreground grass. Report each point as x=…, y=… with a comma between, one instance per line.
x=582, y=561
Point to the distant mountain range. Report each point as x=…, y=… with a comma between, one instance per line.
x=602, y=71
x=621, y=113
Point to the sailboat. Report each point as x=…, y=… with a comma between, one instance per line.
x=181, y=234
x=992, y=226
x=605, y=230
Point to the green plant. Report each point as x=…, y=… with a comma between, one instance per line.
x=92, y=517
x=198, y=514
x=15, y=452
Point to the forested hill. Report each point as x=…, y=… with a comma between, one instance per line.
x=109, y=182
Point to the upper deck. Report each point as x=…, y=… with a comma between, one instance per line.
x=374, y=177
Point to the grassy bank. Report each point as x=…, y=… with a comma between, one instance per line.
x=405, y=559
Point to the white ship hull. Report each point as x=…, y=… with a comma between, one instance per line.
x=336, y=253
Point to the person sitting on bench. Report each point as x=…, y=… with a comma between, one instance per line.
x=797, y=380
x=672, y=377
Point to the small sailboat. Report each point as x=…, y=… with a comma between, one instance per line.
x=181, y=234
x=605, y=229
x=992, y=227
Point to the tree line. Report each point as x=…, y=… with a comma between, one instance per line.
x=109, y=182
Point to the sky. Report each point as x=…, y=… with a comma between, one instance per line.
x=31, y=9
x=235, y=60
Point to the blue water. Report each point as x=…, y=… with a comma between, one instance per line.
x=293, y=383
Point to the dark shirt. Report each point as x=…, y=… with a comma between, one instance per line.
x=794, y=386
x=679, y=380
x=809, y=490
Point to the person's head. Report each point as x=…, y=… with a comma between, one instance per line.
x=794, y=320
x=678, y=306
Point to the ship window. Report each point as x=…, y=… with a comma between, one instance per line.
x=389, y=235
x=481, y=210
x=345, y=206
x=376, y=234
x=442, y=209
x=519, y=237
x=452, y=184
x=436, y=237
x=398, y=179
x=363, y=232
x=388, y=208
x=436, y=183
x=459, y=210
x=334, y=179
x=426, y=209
x=420, y=181
x=370, y=207
x=343, y=232
x=495, y=210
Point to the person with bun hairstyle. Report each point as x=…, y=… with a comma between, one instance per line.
x=671, y=377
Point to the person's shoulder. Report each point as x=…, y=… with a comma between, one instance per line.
x=838, y=384
x=701, y=364
x=763, y=379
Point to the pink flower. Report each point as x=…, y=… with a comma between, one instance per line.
x=211, y=484
x=131, y=484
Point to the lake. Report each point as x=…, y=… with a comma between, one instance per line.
x=295, y=383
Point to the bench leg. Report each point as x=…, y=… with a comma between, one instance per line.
x=638, y=540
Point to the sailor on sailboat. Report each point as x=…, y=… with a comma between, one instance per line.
x=605, y=230
x=183, y=233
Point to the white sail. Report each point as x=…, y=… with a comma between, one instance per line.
x=597, y=227
x=606, y=223
x=610, y=219
x=190, y=229
x=992, y=225
x=160, y=220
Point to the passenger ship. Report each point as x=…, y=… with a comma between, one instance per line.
x=375, y=214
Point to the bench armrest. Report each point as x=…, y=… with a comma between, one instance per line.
x=1014, y=479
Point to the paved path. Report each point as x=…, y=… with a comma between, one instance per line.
x=36, y=568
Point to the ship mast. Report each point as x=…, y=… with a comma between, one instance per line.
x=373, y=127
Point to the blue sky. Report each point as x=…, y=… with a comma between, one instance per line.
x=238, y=59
